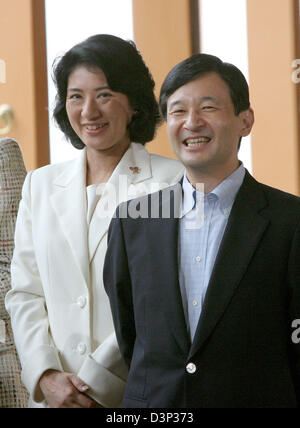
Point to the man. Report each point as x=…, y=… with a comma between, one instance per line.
x=205, y=316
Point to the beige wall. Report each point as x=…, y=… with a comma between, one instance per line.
x=162, y=34
x=22, y=47
x=275, y=136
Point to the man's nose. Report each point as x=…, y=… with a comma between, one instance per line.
x=194, y=120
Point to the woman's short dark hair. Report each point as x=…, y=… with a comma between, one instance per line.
x=125, y=72
x=200, y=64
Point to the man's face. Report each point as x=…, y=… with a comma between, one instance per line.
x=203, y=128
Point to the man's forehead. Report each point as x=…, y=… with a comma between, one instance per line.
x=207, y=87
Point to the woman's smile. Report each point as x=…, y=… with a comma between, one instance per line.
x=96, y=129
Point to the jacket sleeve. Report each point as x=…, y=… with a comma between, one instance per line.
x=117, y=283
x=105, y=372
x=294, y=308
x=25, y=303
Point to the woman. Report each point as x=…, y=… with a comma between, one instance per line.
x=60, y=313
x=12, y=175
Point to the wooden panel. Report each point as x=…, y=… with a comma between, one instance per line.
x=274, y=96
x=162, y=32
x=23, y=48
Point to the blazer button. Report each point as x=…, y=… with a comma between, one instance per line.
x=81, y=348
x=81, y=301
x=191, y=368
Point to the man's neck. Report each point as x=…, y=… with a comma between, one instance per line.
x=209, y=179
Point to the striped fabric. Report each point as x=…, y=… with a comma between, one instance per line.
x=12, y=175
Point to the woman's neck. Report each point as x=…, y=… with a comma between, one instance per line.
x=101, y=164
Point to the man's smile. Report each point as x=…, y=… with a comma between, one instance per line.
x=196, y=141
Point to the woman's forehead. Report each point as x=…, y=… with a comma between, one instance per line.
x=85, y=73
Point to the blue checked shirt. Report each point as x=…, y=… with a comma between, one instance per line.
x=198, y=245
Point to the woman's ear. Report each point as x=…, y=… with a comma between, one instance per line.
x=247, y=117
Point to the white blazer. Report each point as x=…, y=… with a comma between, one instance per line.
x=59, y=310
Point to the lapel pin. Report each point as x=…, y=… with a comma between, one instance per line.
x=135, y=169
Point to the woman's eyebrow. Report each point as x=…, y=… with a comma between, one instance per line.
x=80, y=90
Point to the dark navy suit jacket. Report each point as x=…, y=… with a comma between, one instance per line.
x=243, y=353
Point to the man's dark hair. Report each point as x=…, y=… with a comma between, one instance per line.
x=125, y=72
x=198, y=65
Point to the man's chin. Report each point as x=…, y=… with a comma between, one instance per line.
x=195, y=164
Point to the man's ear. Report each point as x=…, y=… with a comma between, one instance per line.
x=247, y=118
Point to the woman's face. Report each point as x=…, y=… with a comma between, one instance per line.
x=98, y=115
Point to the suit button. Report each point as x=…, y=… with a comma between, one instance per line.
x=81, y=301
x=191, y=368
x=81, y=348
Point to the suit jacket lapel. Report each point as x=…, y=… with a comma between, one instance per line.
x=164, y=262
x=243, y=232
x=69, y=203
x=125, y=183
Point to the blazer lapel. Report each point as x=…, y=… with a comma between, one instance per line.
x=125, y=183
x=164, y=262
x=69, y=204
x=243, y=232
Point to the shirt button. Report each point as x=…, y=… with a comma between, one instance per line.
x=195, y=303
x=226, y=211
x=191, y=368
x=81, y=301
x=81, y=348
x=198, y=259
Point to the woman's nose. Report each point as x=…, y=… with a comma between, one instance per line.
x=90, y=110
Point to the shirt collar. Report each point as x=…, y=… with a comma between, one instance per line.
x=225, y=192
x=188, y=200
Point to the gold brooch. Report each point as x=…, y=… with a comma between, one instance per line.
x=135, y=169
